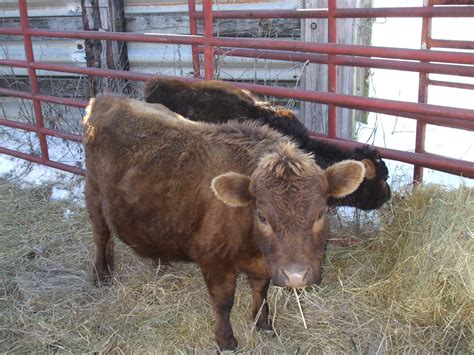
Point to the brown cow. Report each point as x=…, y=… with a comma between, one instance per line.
x=219, y=101
x=232, y=198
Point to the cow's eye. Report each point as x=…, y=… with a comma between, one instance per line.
x=261, y=217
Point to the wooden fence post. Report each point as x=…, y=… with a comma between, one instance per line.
x=105, y=15
x=350, y=81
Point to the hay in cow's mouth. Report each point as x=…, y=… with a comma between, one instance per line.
x=407, y=288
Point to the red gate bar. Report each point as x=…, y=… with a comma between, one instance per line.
x=453, y=2
x=46, y=98
x=447, y=69
x=444, y=43
x=403, y=108
x=451, y=11
x=44, y=131
x=38, y=160
x=193, y=31
x=433, y=113
x=451, y=84
x=402, y=65
x=400, y=108
x=208, y=33
x=33, y=80
x=432, y=161
x=328, y=48
x=467, y=124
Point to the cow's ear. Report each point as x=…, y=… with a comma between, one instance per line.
x=370, y=170
x=344, y=177
x=232, y=189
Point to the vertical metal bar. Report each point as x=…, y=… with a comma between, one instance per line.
x=332, y=68
x=33, y=79
x=422, y=96
x=193, y=28
x=208, y=49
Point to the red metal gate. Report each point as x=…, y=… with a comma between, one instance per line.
x=424, y=61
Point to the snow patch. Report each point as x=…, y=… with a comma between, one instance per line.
x=58, y=194
x=68, y=213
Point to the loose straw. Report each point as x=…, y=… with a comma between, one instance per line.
x=301, y=310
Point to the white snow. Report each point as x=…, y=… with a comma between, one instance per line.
x=68, y=213
x=6, y=165
x=59, y=194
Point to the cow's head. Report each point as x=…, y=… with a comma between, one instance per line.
x=374, y=190
x=288, y=194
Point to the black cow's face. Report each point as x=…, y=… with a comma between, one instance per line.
x=374, y=190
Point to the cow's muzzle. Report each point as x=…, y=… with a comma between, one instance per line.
x=295, y=275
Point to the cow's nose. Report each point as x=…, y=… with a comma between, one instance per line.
x=295, y=275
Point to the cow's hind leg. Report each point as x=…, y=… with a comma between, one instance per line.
x=260, y=304
x=103, y=249
x=103, y=243
x=221, y=286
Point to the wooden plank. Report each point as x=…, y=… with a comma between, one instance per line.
x=314, y=115
x=350, y=80
x=170, y=23
x=9, y=8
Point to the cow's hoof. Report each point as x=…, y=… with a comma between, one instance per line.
x=229, y=343
x=101, y=280
x=161, y=265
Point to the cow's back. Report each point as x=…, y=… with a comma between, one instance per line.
x=152, y=181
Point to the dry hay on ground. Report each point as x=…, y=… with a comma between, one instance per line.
x=408, y=288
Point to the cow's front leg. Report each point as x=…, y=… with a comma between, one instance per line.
x=221, y=286
x=260, y=304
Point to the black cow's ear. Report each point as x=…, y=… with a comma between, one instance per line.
x=344, y=177
x=232, y=189
x=370, y=170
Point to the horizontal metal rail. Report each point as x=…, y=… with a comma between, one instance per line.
x=46, y=98
x=328, y=48
x=43, y=130
x=454, y=11
x=39, y=160
x=363, y=103
x=437, y=115
x=444, y=43
x=401, y=65
x=450, y=84
x=432, y=161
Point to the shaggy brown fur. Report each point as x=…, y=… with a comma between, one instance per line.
x=232, y=198
x=218, y=102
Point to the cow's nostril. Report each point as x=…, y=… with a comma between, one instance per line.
x=295, y=275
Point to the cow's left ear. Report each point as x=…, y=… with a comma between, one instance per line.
x=232, y=189
x=344, y=177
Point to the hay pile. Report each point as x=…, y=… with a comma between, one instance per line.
x=408, y=288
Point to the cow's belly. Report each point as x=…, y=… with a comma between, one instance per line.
x=156, y=226
x=152, y=239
